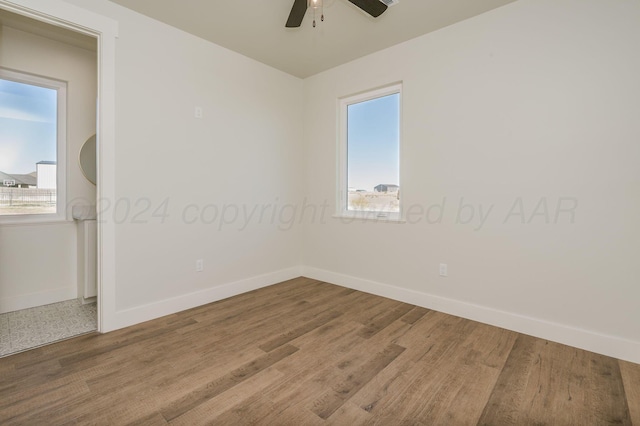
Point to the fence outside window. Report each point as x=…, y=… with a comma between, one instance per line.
x=12, y=200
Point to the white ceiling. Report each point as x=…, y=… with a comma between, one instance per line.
x=255, y=28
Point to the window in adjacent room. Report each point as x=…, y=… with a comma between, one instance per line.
x=369, y=169
x=32, y=147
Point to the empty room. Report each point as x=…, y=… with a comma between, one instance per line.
x=308, y=212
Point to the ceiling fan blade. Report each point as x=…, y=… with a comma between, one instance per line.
x=298, y=10
x=374, y=8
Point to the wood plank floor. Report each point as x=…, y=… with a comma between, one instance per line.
x=305, y=352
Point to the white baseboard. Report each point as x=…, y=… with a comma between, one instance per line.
x=584, y=339
x=31, y=300
x=161, y=308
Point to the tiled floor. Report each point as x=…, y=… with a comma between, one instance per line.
x=33, y=327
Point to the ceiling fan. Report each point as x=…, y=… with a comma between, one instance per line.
x=374, y=8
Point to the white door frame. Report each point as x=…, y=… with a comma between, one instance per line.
x=105, y=29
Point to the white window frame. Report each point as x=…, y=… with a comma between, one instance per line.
x=61, y=148
x=342, y=210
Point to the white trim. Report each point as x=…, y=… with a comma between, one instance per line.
x=63, y=14
x=66, y=15
x=613, y=346
x=31, y=300
x=367, y=218
x=342, y=160
x=138, y=314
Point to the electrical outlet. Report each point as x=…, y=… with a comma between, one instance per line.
x=199, y=265
x=198, y=112
x=443, y=270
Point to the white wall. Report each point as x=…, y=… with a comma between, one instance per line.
x=38, y=262
x=537, y=100
x=245, y=152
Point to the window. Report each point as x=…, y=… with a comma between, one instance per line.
x=369, y=168
x=32, y=148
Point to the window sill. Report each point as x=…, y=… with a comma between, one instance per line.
x=348, y=218
x=22, y=220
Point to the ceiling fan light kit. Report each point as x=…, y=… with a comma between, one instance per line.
x=316, y=5
x=374, y=8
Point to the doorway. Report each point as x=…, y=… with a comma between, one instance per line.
x=105, y=29
x=40, y=297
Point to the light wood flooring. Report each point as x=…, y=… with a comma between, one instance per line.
x=305, y=352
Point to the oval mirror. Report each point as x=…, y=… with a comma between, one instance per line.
x=88, y=159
